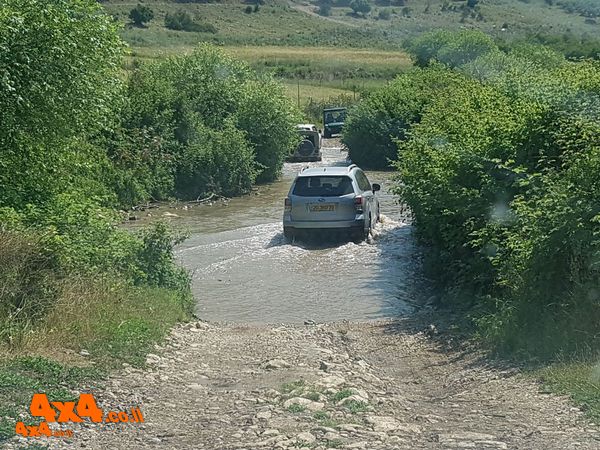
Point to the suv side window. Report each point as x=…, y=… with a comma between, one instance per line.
x=363, y=182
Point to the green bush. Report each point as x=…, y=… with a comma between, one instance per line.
x=141, y=15
x=501, y=175
x=69, y=239
x=385, y=14
x=386, y=115
x=360, y=7
x=58, y=171
x=569, y=44
x=498, y=160
x=218, y=161
x=183, y=21
x=450, y=48
x=324, y=8
x=63, y=91
x=267, y=116
x=184, y=103
x=28, y=285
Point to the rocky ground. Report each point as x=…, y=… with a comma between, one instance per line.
x=382, y=385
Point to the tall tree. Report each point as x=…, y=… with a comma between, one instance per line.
x=141, y=15
x=59, y=65
x=360, y=7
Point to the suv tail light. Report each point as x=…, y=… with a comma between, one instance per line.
x=358, y=204
x=287, y=205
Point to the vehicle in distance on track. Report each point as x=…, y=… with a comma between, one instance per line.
x=309, y=148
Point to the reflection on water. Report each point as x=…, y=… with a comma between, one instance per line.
x=245, y=271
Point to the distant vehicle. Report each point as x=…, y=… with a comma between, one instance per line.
x=309, y=148
x=332, y=198
x=333, y=121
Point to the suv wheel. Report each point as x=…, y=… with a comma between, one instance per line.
x=359, y=234
x=306, y=148
x=289, y=233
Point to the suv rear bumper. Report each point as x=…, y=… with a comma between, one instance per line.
x=359, y=221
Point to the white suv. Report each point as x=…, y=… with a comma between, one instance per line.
x=332, y=198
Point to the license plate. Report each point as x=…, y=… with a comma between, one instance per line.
x=320, y=208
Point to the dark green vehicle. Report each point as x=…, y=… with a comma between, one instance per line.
x=333, y=121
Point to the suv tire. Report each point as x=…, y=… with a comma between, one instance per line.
x=289, y=233
x=359, y=234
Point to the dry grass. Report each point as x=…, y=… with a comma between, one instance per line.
x=27, y=285
x=332, y=56
x=43, y=312
x=110, y=320
x=313, y=92
x=321, y=72
x=579, y=380
x=319, y=60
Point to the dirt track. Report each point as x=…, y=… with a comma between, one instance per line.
x=238, y=387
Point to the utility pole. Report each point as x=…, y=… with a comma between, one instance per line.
x=298, y=93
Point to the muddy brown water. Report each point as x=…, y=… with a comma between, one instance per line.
x=244, y=270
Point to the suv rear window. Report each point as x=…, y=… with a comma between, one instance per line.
x=323, y=186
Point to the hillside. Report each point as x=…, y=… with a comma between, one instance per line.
x=291, y=39
x=297, y=23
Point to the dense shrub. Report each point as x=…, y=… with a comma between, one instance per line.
x=141, y=15
x=183, y=21
x=324, y=9
x=385, y=14
x=266, y=115
x=28, y=287
x=188, y=110
x=360, y=7
x=572, y=46
x=500, y=174
x=62, y=93
x=452, y=49
x=386, y=115
x=77, y=142
x=217, y=161
x=54, y=245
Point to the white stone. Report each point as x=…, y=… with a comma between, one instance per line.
x=352, y=398
x=263, y=415
x=270, y=432
x=275, y=364
x=331, y=436
x=306, y=437
x=308, y=404
x=331, y=381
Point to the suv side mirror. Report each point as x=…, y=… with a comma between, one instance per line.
x=376, y=187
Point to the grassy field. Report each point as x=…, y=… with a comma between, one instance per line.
x=319, y=72
x=314, y=92
x=341, y=52
x=296, y=23
x=325, y=64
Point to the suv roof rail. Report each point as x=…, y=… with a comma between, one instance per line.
x=351, y=166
